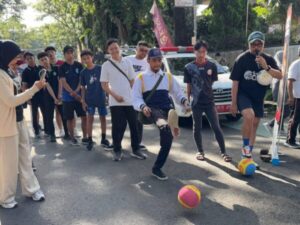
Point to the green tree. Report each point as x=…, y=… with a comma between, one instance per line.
x=225, y=22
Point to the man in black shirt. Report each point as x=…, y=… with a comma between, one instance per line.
x=51, y=94
x=69, y=75
x=29, y=76
x=247, y=91
x=200, y=76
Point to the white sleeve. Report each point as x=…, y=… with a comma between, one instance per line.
x=131, y=73
x=104, y=77
x=177, y=92
x=138, y=101
x=293, y=71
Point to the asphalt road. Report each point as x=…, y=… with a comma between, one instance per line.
x=88, y=188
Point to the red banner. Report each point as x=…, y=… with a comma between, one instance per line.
x=160, y=29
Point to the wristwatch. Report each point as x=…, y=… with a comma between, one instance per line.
x=269, y=67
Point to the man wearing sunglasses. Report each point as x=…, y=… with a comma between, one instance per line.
x=247, y=92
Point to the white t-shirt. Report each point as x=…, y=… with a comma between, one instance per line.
x=117, y=81
x=294, y=73
x=139, y=65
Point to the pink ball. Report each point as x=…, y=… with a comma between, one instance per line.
x=189, y=196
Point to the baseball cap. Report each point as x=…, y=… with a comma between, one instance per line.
x=256, y=36
x=154, y=53
x=68, y=48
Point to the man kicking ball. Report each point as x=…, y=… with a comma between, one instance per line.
x=151, y=97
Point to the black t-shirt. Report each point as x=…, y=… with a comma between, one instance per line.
x=72, y=75
x=201, y=77
x=52, y=79
x=245, y=70
x=29, y=76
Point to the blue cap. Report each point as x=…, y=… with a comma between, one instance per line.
x=154, y=53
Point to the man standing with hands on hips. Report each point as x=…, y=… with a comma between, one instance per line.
x=252, y=73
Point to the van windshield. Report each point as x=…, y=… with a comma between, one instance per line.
x=176, y=65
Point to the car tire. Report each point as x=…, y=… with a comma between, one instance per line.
x=185, y=121
x=232, y=118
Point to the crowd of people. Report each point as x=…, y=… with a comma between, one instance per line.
x=138, y=91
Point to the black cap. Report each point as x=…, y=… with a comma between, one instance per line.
x=154, y=53
x=68, y=48
x=8, y=51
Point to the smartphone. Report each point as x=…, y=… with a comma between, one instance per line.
x=42, y=74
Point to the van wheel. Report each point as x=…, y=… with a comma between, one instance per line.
x=231, y=118
x=185, y=121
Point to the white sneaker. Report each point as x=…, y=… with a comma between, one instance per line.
x=10, y=205
x=38, y=196
x=246, y=152
x=61, y=133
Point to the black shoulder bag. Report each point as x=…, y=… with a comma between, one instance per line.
x=141, y=117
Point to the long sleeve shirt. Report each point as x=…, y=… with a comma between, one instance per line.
x=8, y=103
x=143, y=85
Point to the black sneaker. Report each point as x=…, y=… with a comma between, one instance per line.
x=67, y=137
x=292, y=145
x=159, y=174
x=52, y=139
x=143, y=147
x=106, y=145
x=74, y=142
x=37, y=136
x=85, y=141
x=90, y=145
x=117, y=156
x=139, y=155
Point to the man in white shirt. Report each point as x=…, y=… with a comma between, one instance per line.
x=294, y=102
x=139, y=60
x=117, y=77
x=140, y=64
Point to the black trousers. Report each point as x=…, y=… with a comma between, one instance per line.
x=166, y=137
x=213, y=119
x=120, y=115
x=140, y=128
x=294, y=121
x=50, y=109
x=35, y=106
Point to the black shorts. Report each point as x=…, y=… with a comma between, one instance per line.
x=70, y=107
x=245, y=102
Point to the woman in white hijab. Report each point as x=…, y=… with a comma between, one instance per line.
x=12, y=159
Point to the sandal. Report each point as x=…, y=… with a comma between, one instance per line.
x=226, y=157
x=200, y=156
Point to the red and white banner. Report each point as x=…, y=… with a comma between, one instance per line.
x=160, y=29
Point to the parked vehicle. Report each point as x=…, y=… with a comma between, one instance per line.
x=175, y=58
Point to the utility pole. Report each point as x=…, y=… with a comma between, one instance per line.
x=195, y=21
